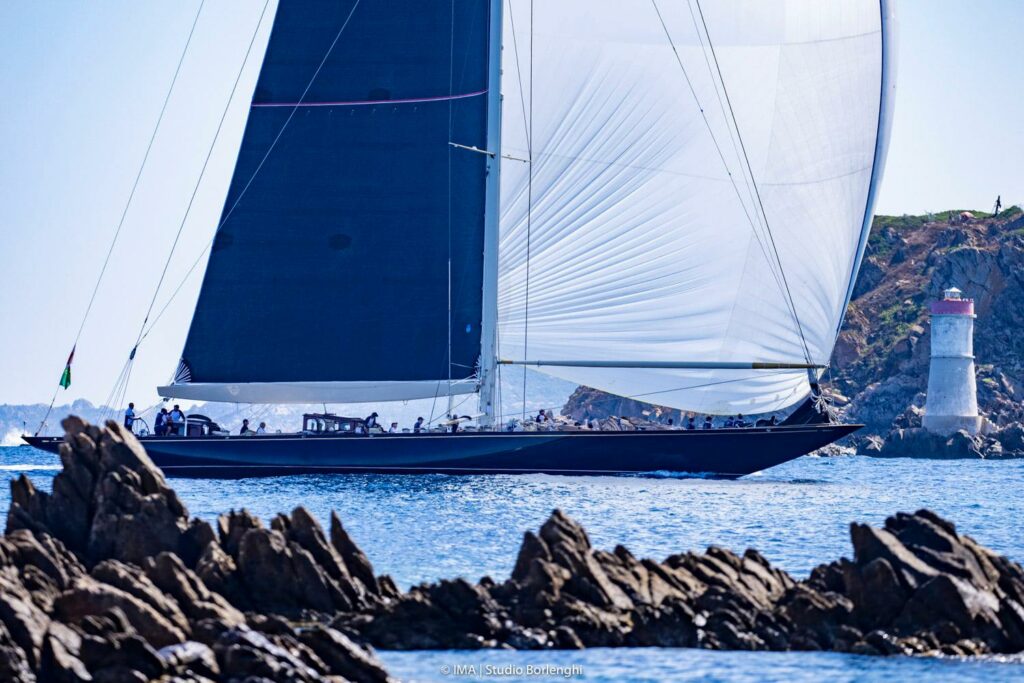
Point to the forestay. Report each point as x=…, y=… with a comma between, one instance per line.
x=349, y=261
x=644, y=245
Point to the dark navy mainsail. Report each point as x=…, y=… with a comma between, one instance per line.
x=351, y=244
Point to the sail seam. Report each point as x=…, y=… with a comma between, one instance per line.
x=359, y=103
x=291, y=115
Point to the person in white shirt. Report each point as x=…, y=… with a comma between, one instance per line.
x=262, y=429
x=393, y=429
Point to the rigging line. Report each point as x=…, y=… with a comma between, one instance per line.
x=519, y=77
x=757, y=192
x=142, y=166
x=291, y=115
x=721, y=105
x=725, y=164
x=451, y=88
x=528, y=129
x=195, y=188
x=529, y=212
x=131, y=196
x=273, y=143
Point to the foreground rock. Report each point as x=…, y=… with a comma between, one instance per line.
x=87, y=594
x=107, y=579
x=914, y=587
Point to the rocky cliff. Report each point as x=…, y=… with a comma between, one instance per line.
x=880, y=366
x=881, y=358
x=107, y=578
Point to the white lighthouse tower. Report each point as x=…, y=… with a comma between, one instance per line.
x=952, y=402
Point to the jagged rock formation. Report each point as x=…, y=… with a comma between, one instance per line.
x=107, y=579
x=914, y=587
x=86, y=595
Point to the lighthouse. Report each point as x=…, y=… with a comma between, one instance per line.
x=952, y=402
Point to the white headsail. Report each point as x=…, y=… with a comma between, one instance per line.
x=701, y=185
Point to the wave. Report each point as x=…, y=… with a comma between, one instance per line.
x=668, y=474
x=12, y=438
x=28, y=467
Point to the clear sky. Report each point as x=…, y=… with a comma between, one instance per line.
x=83, y=83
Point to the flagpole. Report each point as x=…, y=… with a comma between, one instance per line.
x=64, y=383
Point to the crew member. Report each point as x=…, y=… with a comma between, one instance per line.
x=176, y=420
x=262, y=429
x=245, y=428
x=160, y=423
x=393, y=429
x=708, y=422
x=129, y=416
x=371, y=421
x=418, y=427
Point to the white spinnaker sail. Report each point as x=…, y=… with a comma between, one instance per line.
x=640, y=247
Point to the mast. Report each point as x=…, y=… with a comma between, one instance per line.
x=492, y=210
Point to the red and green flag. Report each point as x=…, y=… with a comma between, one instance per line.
x=65, y=378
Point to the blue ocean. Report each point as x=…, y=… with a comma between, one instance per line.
x=421, y=528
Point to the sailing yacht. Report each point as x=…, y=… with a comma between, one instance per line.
x=664, y=201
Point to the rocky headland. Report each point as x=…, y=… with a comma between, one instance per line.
x=107, y=578
x=879, y=371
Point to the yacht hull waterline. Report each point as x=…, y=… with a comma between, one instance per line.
x=720, y=453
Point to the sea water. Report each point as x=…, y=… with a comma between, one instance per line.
x=422, y=528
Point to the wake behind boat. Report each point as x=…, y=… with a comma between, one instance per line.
x=662, y=204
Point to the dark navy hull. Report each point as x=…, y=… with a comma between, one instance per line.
x=726, y=453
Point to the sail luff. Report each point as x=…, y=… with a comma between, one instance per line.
x=885, y=111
